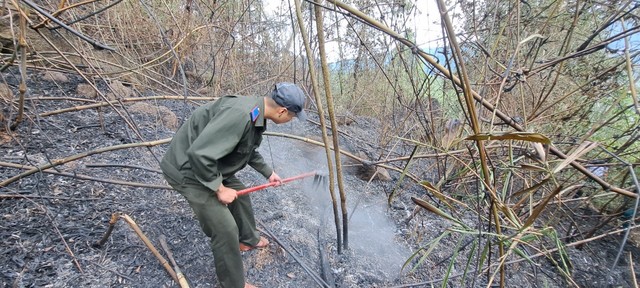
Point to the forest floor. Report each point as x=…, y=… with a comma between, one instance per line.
x=50, y=223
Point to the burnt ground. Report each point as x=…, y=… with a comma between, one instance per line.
x=298, y=219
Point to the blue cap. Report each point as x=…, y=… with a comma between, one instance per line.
x=290, y=96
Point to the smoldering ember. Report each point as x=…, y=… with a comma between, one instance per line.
x=500, y=151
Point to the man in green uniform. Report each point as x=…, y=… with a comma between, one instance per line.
x=219, y=139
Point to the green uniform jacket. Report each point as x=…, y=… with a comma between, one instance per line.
x=219, y=139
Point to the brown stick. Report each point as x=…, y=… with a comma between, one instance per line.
x=85, y=177
x=145, y=240
x=632, y=81
x=323, y=124
x=583, y=241
x=61, y=99
x=153, y=249
x=22, y=88
x=55, y=227
x=82, y=155
x=61, y=9
x=633, y=274
x=112, y=224
x=11, y=196
x=181, y=280
x=115, y=102
x=332, y=118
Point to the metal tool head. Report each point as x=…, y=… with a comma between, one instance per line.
x=320, y=181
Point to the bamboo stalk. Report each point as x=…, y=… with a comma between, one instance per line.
x=149, y=245
x=61, y=99
x=114, y=102
x=94, y=43
x=633, y=216
x=323, y=124
x=81, y=155
x=86, y=177
x=119, y=215
x=182, y=281
x=334, y=124
x=496, y=202
x=22, y=88
x=61, y=9
x=632, y=81
x=633, y=274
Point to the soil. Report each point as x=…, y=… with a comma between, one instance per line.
x=48, y=236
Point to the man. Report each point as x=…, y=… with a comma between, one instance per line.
x=219, y=139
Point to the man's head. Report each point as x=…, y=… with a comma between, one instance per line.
x=289, y=96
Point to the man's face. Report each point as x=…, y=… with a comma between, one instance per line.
x=284, y=116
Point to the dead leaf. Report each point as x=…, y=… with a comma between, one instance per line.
x=532, y=167
x=541, y=151
x=521, y=136
x=57, y=191
x=581, y=150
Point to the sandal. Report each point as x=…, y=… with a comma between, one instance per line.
x=261, y=244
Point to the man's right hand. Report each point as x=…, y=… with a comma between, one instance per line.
x=226, y=195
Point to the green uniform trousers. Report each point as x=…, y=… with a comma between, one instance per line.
x=227, y=226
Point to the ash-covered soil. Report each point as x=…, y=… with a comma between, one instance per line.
x=47, y=236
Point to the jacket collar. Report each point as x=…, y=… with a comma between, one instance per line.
x=260, y=122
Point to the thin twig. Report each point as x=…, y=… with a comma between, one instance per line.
x=55, y=227
x=22, y=88
x=79, y=156
x=123, y=166
x=182, y=281
x=11, y=196
x=633, y=273
x=572, y=244
x=119, y=215
x=632, y=81
x=173, y=51
x=114, y=102
x=304, y=266
x=426, y=283
x=66, y=27
x=85, y=177
x=61, y=9
x=90, y=14
x=108, y=269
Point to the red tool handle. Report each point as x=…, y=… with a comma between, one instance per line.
x=286, y=180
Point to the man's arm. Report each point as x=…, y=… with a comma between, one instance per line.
x=257, y=162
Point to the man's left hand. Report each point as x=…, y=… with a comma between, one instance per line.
x=275, y=178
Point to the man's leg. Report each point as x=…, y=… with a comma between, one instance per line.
x=242, y=212
x=217, y=222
